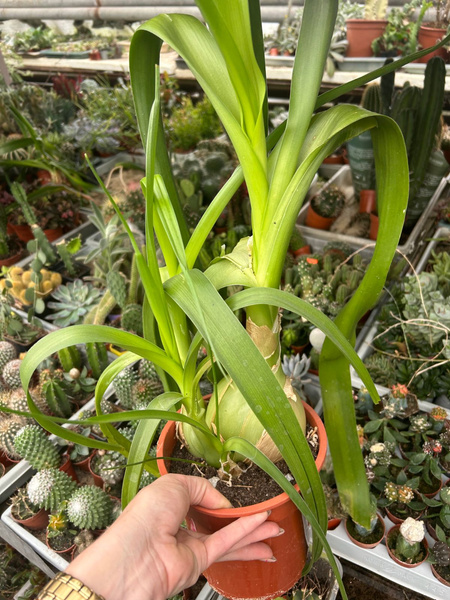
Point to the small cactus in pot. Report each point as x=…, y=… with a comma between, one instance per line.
x=49, y=488
x=406, y=543
x=32, y=444
x=90, y=508
x=325, y=207
x=440, y=557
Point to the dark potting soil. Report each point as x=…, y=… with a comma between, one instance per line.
x=61, y=542
x=373, y=537
x=444, y=572
x=254, y=484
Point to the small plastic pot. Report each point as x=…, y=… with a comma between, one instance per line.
x=397, y=560
x=53, y=234
x=367, y=201
x=434, y=492
x=363, y=544
x=2, y=470
x=37, y=521
x=333, y=523
x=69, y=550
x=23, y=232
x=374, y=223
x=67, y=467
x=98, y=481
x=439, y=577
x=6, y=460
x=303, y=250
x=84, y=464
x=316, y=221
x=11, y=260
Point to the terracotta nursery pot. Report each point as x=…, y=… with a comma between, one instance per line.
x=429, y=36
x=53, y=234
x=333, y=523
x=316, y=221
x=367, y=201
x=439, y=577
x=69, y=550
x=6, y=460
x=84, y=464
x=301, y=251
x=98, y=481
x=253, y=579
x=23, y=232
x=2, y=470
x=424, y=543
x=360, y=35
x=67, y=467
x=37, y=521
x=362, y=544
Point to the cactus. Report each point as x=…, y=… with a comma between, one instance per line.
x=329, y=202
x=49, y=488
x=83, y=540
x=97, y=358
x=7, y=353
x=32, y=444
x=54, y=392
x=371, y=98
x=9, y=427
x=132, y=319
x=70, y=358
x=65, y=251
x=11, y=374
x=90, y=508
x=123, y=387
x=117, y=285
x=18, y=401
x=375, y=9
x=24, y=284
x=21, y=506
x=72, y=302
x=110, y=467
x=98, y=314
x=147, y=369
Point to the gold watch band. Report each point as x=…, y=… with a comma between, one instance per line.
x=66, y=587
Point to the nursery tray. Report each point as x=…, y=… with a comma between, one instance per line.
x=66, y=54
x=364, y=349
x=361, y=63
x=343, y=180
x=279, y=61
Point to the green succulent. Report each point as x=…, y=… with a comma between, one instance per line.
x=72, y=302
x=89, y=507
x=49, y=488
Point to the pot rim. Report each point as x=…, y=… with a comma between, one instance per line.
x=233, y=513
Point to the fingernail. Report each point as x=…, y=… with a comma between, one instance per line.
x=271, y=559
x=269, y=512
x=280, y=532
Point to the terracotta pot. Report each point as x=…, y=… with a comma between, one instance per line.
x=439, y=577
x=53, y=234
x=360, y=35
x=434, y=492
x=400, y=562
x=374, y=223
x=429, y=36
x=9, y=228
x=8, y=262
x=362, y=544
x=2, y=470
x=253, y=579
x=84, y=464
x=314, y=220
x=274, y=52
x=333, y=523
x=23, y=232
x=38, y=521
x=67, y=467
x=6, y=460
x=334, y=159
x=399, y=520
x=367, y=201
x=98, y=481
x=44, y=176
x=298, y=349
x=69, y=550
x=303, y=250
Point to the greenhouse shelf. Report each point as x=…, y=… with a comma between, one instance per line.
x=343, y=179
x=420, y=579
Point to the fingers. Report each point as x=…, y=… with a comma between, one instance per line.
x=202, y=493
x=221, y=542
x=267, y=530
x=257, y=551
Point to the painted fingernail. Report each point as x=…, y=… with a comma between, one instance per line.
x=280, y=532
x=269, y=512
x=272, y=559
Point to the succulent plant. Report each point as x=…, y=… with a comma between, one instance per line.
x=73, y=301
x=123, y=386
x=408, y=543
x=32, y=444
x=9, y=427
x=147, y=369
x=329, y=202
x=21, y=506
x=49, y=488
x=110, y=467
x=131, y=319
x=90, y=507
x=7, y=353
x=11, y=374
x=54, y=389
x=83, y=540
x=23, y=283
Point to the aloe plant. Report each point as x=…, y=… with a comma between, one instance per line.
x=228, y=60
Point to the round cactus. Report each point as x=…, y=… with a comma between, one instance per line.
x=9, y=427
x=329, y=203
x=11, y=374
x=7, y=353
x=18, y=400
x=90, y=508
x=33, y=445
x=48, y=488
x=110, y=467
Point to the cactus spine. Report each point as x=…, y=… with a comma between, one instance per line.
x=371, y=98
x=32, y=444
x=8, y=431
x=49, y=488
x=90, y=508
x=66, y=257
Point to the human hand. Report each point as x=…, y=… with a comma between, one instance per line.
x=146, y=555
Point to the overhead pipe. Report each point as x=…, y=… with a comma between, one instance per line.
x=122, y=3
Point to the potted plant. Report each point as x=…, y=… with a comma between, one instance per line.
x=440, y=558
x=363, y=31
x=10, y=249
x=431, y=32
x=277, y=187
x=15, y=330
x=366, y=537
x=325, y=207
x=406, y=543
x=59, y=535
x=26, y=513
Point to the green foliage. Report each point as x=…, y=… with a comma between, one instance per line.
x=189, y=123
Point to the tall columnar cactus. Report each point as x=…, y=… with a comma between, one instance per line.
x=375, y=9
x=49, y=488
x=90, y=508
x=70, y=358
x=7, y=353
x=9, y=427
x=97, y=358
x=371, y=98
x=53, y=390
x=123, y=387
x=32, y=444
x=11, y=374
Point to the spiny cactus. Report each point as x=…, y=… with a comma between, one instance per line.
x=97, y=358
x=53, y=389
x=329, y=202
x=21, y=506
x=110, y=467
x=9, y=427
x=132, y=319
x=147, y=369
x=7, y=353
x=90, y=508
x=70, y=358
x=123, y=386
x=441, y=553
x=32, y=444
x=18, y=401
x=11, y=374
x=49, y=488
